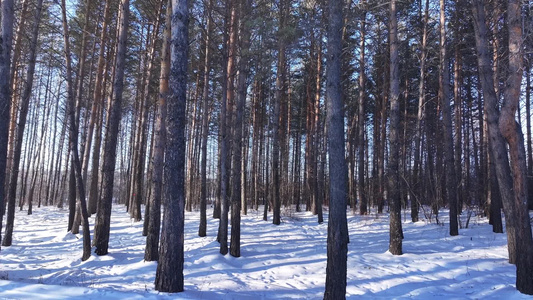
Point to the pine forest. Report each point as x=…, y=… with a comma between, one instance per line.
x=266, y=149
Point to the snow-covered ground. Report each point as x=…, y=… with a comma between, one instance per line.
x=278, y=262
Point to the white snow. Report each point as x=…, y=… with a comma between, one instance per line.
x=277, y=262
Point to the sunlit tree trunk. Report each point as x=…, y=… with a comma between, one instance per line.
x=103, y=218
x=169, y=274
x=154, y=225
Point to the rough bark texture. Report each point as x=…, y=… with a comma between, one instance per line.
x=225, y=151
x=151, y=252
x=512, y=133
x=337, y=224
x=169, y=274
x=235, y=245
x=512, y=189
x=103, y=217
x=395, y=243
x=6, y=35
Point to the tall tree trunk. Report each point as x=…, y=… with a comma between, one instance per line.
x=141, y=160
x=24, y=104
x=513, y=192
x=528, y=121
x=96, y=114
x=396, y=235
x=363, y=202
x=154, y=224
x=225, y=121
x=512, y=133
x=235, y=245
x=318, y=171
x=279, y=116
x=337, y=247
x=103, y=218
x=417, y=169
x=444, y=92
x=17, y=49
x=169, y=274
x=6, y=34
x=73, y=138
x=458, y=105
x=202, y=230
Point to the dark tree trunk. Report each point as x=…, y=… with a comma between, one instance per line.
x=235, y=245
x=279, y=116
x=363, y=202
x=395, y=243
x=202, y=230
x=24, y=104
x=169, y=274
x=225, y=122
x=103, y=218
x=444, y=92
x=73, y=138
x=417, y=169
x=337, y=224
x=512, y=133
x=6, y=34
x=512, y=189
x=96, y=115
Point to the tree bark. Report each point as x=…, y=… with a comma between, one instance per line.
x=337, y=246
x=235, y=245
x=395, y=243
x=96, y=114
x=24, y=104
x=73, y=138
x=225, y=122
x=278, y=138
x=103, y=218
x=513, y=192
x=6, y=34
x=169, y=274
x=512, y=133
x=154, y=224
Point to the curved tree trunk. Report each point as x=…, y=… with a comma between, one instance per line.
x=513, y=192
